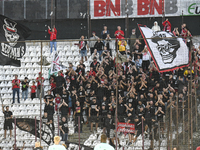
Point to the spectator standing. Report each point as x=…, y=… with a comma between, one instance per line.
x=64, y=129
x=119, y=33
x=53, y=34
x=33, y=90
x=15, y=88
x=56, y=144
x=95, y=54
x=93, y=113
x=93, y=40
x=132, y=39
x=83, y=48
x=8, y=120
x=99, y=46
x=40, y=84
x=104, y=32
x=108, y=42
x=25, y=85
x=60, y=82
x=156, y=27
x=122, y=46
x=167, y=25
x=77, y=115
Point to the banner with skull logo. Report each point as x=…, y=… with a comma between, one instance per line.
x=168, y=52
x=12, y=37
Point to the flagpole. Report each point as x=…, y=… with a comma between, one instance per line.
x=116, y=62
x=41, y=98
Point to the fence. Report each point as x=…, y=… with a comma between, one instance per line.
x=179, y=124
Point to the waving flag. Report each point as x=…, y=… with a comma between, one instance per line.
x=12, y=37
x=167, y=51
x=56, y=65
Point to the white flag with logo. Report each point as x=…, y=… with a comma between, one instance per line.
x=168, y=53
x=56, y=65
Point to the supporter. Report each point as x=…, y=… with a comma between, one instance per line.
x=56, y=144
x=64, y=129
x=25, y=85
x=83, y=48
x=159, y=113
x=8, y=121
x=50, y=113
x=175, y=32
x=33, y=90
x=104, y=33
x=156, y=27
x=99, y=46
x=121, y=110
x=103, y=113
x=145, y=59
x=40, y=84
x=93, y=40
x=138, y=126
x=132, y=39
x=94, y=114
x=53, y=84
x=109, y=124
x=95, y=64
x=167, y=25
x=53, y=34
x=47, y=98
x=119, y=33
x=108, y=42
x=60, y=83
x=138, y=62
x=95, y=54
x=15, y=88
x=122, y=46
x=57, y=103
x=64, y=107
x=78, y=117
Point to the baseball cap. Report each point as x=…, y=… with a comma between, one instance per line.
x=39, y=72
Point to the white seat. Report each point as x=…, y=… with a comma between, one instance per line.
x=68, y=53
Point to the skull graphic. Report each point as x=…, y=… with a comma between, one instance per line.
x=167, y=48
x=10, y=32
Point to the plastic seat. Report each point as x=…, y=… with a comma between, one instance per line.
x=68, y=53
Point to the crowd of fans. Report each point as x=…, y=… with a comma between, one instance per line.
x=143, y=94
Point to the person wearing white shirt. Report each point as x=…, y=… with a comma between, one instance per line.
x=145, y=59
x=56, y=145
x=156, y=27
x=103, y=145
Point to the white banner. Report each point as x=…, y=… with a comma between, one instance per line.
x=168, y=53
x=105, y=9
x=55, y=65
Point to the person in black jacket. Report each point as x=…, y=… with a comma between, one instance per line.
x=60, y=81
x=99, y=46
x=109, y=124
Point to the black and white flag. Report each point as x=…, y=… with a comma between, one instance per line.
x=168, y=53
x=11, y=49
x=56, y=65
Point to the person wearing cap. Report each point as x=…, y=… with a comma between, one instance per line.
x=99, y=46
x=93, y=40
x=40, y=82
x=15, y=88
x=25, y=85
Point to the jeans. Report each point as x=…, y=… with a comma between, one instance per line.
x=64, y=136
x=100, y=52
x=14, y=91
x=25, y=93
x=53, y=43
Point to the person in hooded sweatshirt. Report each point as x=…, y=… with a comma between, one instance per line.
x=156, y=27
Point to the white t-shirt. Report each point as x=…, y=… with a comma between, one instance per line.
x=103, y=146
x=56, y=147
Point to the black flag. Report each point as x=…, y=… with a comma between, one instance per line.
x=11, y=49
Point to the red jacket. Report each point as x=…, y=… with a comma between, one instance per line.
x=52, y=34
x=168, y=27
